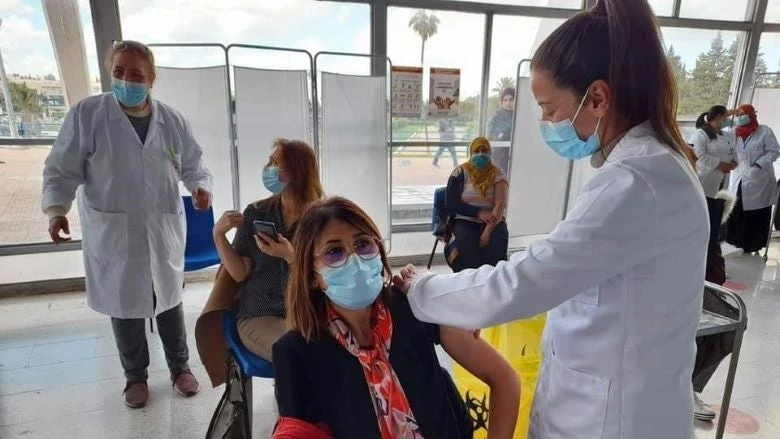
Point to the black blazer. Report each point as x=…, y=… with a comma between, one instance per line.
x=322, y=382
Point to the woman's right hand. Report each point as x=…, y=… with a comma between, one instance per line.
x=488, y=218
x=726, y=167
x=56, y=225
x=229, y=220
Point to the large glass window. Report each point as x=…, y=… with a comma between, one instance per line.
x=768, y=61
x=728, y=10
x=568, y=4
x=703, y=62
x=433, y=39
x=38, y=106
x=514, y=39
x=773, y=12
x=662, y=7
x=305, y=24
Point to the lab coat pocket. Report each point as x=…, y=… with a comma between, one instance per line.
x=105, y=234
x=172, y=235
x=576, y=405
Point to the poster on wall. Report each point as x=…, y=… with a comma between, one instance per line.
x=444, y=92
x=407, y=91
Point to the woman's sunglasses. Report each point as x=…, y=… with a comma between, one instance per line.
x=336, y=254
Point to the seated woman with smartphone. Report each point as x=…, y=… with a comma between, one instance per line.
x=260, y=255
x=357, y=363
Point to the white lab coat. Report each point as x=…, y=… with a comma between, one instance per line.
x=711, y=153
x=623, y=279
x=759, y=186
x=132, y=220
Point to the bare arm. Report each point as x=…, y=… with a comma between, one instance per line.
x=501, y=197
x=237, y=266
x=485, y=363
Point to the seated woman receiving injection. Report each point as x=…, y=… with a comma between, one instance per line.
x=357, y=364
x=258, y=262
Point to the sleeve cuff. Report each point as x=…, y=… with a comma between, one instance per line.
x=55, y=211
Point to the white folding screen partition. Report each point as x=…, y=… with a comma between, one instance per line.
x=538, y=186
x=201, y=96
x=354, y=152
x=767, y=104
x=269, y=104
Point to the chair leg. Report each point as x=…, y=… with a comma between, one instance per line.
x=433, y=253
x=248, y=403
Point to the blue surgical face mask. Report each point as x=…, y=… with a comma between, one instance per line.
x=728, y=123
x=563, y=138
x=356, y=284
x=481, y=160
x=271, y=180
x=743, y=120
x=129, y=94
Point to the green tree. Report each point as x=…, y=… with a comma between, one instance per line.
x=710, y=80
x=426, y=25
x=680, y=76
x=502, y=84
x=25, y=100
x=50, y=77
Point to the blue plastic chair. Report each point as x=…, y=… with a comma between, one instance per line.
x=234, y=412
x=200, y=250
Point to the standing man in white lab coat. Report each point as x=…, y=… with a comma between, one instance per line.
x=123, y=154
x=623, y=274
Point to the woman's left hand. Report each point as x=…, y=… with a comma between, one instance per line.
x=281, y=249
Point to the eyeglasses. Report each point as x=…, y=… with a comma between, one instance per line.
x=335, y=255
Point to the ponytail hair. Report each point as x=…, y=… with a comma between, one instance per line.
x=713, y=113
x=617, y=41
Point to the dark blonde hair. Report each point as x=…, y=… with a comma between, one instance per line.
x=300, y=163
x=305, y=303
x=136, y=48
x=618, y=41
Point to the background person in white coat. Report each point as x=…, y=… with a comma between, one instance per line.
x=623, y=274
x=124, y=154
x=753, y=183
x=716, y=158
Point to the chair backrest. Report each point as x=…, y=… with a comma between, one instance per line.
x=199, y=228
x=440, y=216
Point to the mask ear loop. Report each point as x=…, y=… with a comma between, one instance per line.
x=582, y=103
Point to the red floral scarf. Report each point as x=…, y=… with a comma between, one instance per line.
x=393, y=412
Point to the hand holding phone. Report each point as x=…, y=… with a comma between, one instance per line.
x=266, y=228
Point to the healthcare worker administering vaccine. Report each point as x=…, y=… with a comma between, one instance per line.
x=623, y=274
x=124, y=154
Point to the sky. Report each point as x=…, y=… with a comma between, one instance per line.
x=317, y=26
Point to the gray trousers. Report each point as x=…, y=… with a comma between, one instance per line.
x=130, y=335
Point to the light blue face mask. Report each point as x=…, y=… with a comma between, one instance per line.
x=563, y=138
x=356, y=284
x=743, y=120
x=481, y=160
x=728, y=123
x=271, y=180
x=129, y=94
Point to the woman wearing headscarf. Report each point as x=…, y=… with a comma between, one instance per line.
x=753, y=182
x=476, y=197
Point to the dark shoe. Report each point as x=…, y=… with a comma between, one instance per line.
x=186, y=384
x=136, y=394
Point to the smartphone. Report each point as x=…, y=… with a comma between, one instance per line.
x=266, y=228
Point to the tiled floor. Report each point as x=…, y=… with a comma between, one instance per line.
x=60, y=376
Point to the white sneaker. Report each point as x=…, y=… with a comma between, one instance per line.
x=702, y=411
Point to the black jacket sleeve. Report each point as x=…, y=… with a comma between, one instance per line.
x=293, y=395
x=455, y=205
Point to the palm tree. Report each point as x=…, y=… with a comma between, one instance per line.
x=426, y=25
x=503, y=84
